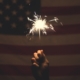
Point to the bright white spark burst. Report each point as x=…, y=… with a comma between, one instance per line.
x=40, y=25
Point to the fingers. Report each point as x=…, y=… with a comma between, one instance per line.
x=35, y=64
x=35, y=55
x=38, y=57
x=40, y=53
x=33, y=60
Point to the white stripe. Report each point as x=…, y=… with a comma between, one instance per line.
x=58, y=60
x=46, y=40
x=67, y=20
x=32, y=78
x=57, y=3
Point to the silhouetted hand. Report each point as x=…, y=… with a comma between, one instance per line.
x=40, y=66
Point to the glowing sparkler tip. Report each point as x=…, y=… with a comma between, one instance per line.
x=40, y=25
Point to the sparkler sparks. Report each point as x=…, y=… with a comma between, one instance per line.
x=40, y=25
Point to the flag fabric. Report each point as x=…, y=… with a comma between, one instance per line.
x=61, y=47
x=14, y=13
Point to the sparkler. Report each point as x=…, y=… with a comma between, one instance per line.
x=40, y=25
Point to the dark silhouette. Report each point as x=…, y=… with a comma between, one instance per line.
x=40, y=66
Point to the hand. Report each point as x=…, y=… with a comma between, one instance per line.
x=40, y=66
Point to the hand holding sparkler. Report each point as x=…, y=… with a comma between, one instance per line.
x=40, y=66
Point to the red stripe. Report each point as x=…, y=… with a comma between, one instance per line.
x=25, y=70
x=49, y=50
x=64, y=10
x=65, y=29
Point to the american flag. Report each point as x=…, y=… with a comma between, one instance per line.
x=62, y=47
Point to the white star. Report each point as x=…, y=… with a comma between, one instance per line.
x=14, y=12
x=0, y=25
x=21, y=7
x=13, y=25
x=14, y=1
x=28, y=1
x=7, y=18
x=7, y=7
x=28, y=13
x=1, y=1
x=1, y=12
x=21, y=18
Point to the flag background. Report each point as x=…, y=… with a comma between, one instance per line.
x=62, y=47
